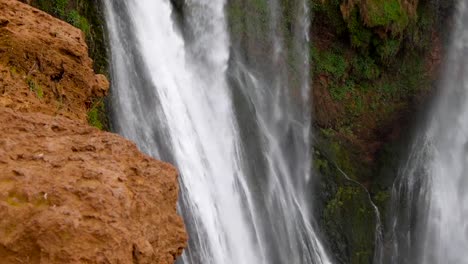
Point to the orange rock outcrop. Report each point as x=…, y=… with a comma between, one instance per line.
x=70, y=193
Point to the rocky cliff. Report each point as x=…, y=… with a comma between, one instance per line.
x=70, y=193
x=375, y=63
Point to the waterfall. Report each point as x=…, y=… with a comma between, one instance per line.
x=430, y=202
x=238, y=130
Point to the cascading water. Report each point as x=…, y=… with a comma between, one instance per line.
x=430, y=202
x=235, y=122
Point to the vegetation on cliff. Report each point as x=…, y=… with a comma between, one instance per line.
x=88, y=17
x=373, y=61
x=374, y=64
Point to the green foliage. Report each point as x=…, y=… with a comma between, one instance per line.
x=339, y=92
x=360, y=35
x=59, y=8
x=388, y=49
x=331, y=62
x=412, y=74
x=350, y=216
x=35, y=87
x=78, y=21
x=96, y=115
x=382, y=197
x=343, y=159
x=364, y=67
x=356, y=108
x=420, y=33
x=387, y=13
x=388, y=88
x=74, y=18
x=321, y=164
x=87, y=16
x=375, y=76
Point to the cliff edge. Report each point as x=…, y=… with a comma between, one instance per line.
x=70, y=193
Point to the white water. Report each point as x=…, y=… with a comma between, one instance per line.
x=431, y=208
x=171, y=96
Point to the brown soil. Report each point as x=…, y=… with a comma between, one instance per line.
x=70, y=193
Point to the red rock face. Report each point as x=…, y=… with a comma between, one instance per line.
x=70, y=193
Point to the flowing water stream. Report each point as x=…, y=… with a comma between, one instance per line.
x=234, y=117
x=430, y=203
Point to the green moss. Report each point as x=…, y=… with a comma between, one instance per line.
x=35, y=87
x=334, y=64
x=330, y=62
x=388, y=89
x=97, y=115
x=78, y=21
x=365, y=68
x=360, y=35
x=321, y=164
x=382, y=197
x=344, y=159
x=59, y=8
x=387, y=13
x=356, y=108
x=388, y=49
x=86, y=15
x=350, y=217
x=339, y=92
x=376, y=70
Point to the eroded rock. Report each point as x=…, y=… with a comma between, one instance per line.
x=70, y=193
x=66, y=197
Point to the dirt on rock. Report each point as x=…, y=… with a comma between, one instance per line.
x=70, y=193
x=44, y=64
x=73, y=194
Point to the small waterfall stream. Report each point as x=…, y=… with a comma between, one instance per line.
x=430, y=202
x=234, y=120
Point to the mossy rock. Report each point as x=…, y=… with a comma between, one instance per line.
x=86, y=15
x=345, y=212
x=391, y=15
x=97, y=115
